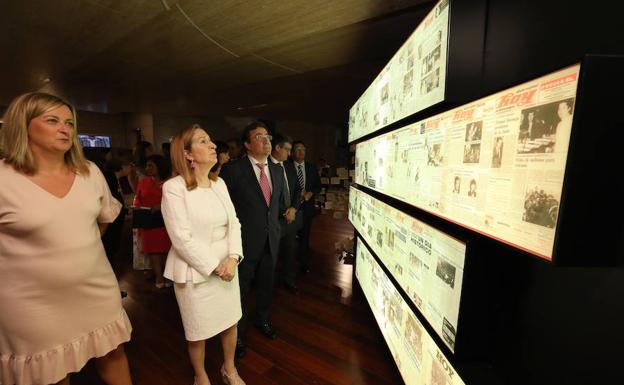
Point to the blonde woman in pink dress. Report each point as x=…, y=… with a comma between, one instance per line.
x=58, y=294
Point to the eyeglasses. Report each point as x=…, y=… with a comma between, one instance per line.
x=259, y=137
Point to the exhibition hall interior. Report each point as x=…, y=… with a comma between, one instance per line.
x=310, y=192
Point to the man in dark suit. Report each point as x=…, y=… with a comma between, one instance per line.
x=310, y=184
x=282, y=146
x=115, y=168
x=257, y=191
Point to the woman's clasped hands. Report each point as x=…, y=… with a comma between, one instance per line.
x=226, y=270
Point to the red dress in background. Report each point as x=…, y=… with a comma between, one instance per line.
x=149, y=194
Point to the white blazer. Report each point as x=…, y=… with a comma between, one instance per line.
x=185, y=216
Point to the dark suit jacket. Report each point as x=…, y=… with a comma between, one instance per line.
x=113, y=186
x=295, y=198
x=312, y=183
x=293, y=184
x=257, y=220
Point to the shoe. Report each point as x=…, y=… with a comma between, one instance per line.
x=268, y=331
x=291, y=288
x=232, y=378
x=240, y=349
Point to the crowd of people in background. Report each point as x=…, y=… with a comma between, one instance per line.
x=219, y=217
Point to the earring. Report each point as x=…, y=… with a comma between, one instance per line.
x=192, y=163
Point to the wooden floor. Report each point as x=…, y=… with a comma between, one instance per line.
x=326, y=333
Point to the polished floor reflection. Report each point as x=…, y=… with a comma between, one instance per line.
x=327, y=334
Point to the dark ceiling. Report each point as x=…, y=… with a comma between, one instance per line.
x=307, y=59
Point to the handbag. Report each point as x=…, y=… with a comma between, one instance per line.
x=145, y=218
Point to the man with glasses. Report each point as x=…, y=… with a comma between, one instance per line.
x=256, y=188
x=282, y=146
x=308, y=179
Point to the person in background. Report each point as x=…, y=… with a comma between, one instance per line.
x=115, y=168
x=310, y=183
x=323, y=168
x=257, y=190
x=142, y=151
x=222, y=157
x=282, y=145
x=58, y=294
x=154, y=242
x=165, y=148
x=235, y=149
x=206, y=250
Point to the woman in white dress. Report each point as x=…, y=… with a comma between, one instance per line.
x=206, y=249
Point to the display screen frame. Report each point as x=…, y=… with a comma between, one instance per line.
x=451, y=129
x=94, y=141
x=413, y=80
x=427, y=263
x=415, y=352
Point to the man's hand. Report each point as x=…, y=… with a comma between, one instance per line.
x=290, y=214
x=307, y=195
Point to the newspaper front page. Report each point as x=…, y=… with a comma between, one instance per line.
x=413, y=79
x=495, y=165
x=427, y=263
x=416, y=354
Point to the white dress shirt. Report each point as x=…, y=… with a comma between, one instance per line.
x=283, y=168
x=257, y=171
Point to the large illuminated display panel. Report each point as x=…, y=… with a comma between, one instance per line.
x=416, y=354
x=413, y=79
x=427, y=264
x=495, y=165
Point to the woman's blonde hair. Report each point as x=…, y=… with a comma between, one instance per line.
x=14, y=133
x=181, y=143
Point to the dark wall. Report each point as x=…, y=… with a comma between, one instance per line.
x=548, y=324
x=528, y=38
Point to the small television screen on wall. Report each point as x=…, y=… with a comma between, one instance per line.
x=94, y=141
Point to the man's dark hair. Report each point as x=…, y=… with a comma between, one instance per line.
x=250, y=127
x=279, y=140
x=296, y=142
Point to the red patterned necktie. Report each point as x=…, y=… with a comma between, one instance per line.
x=264, y=184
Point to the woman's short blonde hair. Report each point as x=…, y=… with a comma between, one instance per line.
x=181, y=143
x=14, y=133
